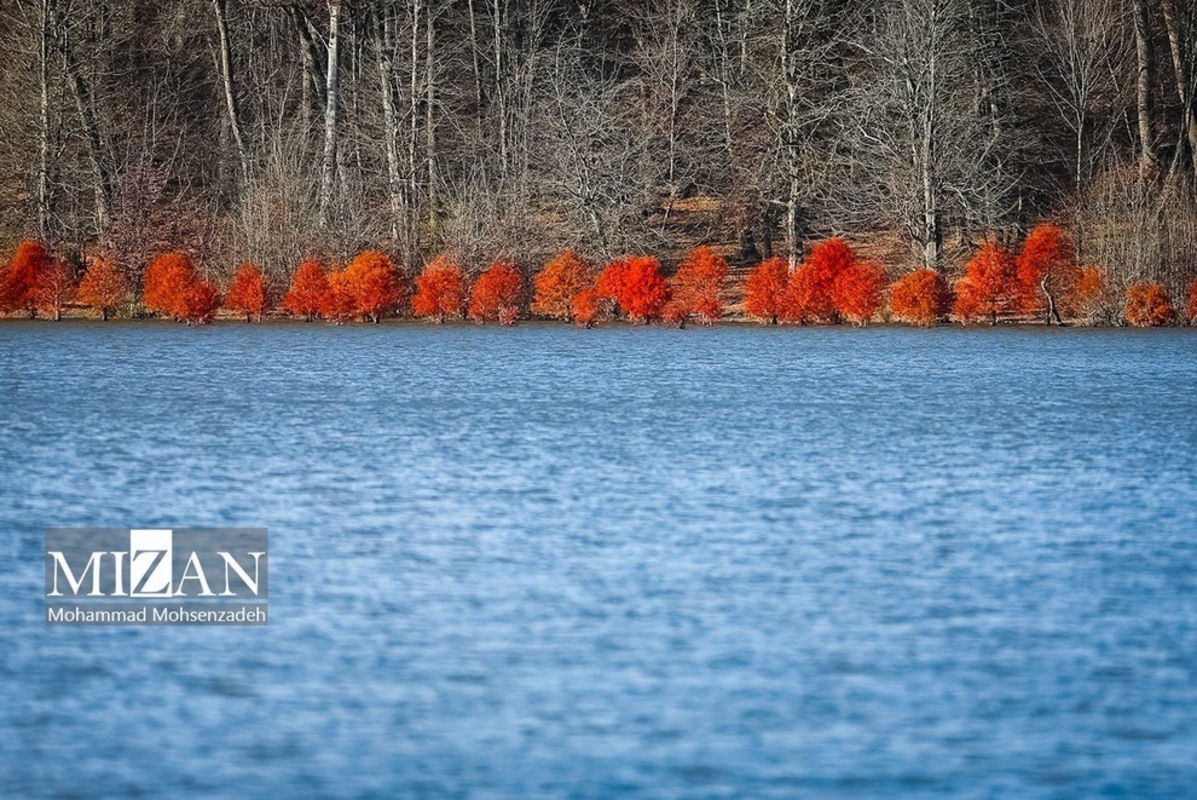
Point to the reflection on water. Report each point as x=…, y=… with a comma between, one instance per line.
x=546, y=561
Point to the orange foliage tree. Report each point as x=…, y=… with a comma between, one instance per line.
x=104, y=286
x=54, y=288
x=165, y=284
x=377, y=285
x=247, y=293
x=338, y=303
x=1088, y=296
x=173, y=288
x=859, y=292
x=637, y=285
x=309, y=285
x=1148, y=305
x=1191, y=303
x=609, y=284
x=19, y=283
x=200, y=302
x=808, y=296
x=696, y=287
x=497, y=294
x=920, y=297
x=765, y=288
x=1047, y=272
x=989, y=287
x=558, y=283
x=587, y=306
x=440, y=290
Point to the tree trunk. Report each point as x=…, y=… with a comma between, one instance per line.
x=328, y=167
x=43, y=168
x=383, y=41
x=474, y=56
x=1184, y=89
x=931, y=231
x=229, y=85
x=413, y=175
x=311, y=67
x=793, y=237
x=430, y=115
x=1053, y=310
x=101, y=181
x=1144, y=60
x=790, y=137
x=500, y=93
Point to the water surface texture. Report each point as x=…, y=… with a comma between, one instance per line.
x=616, y=563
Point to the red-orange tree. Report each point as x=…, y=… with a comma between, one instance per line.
x=989, y=287
x=200, y=302
x=697, y=286
x=609, y=284
x=377, y=285
x=104, y=286
x=587, y=306
x=440, y=290
x=173, y=288
x=247, y=294
x=1047, y=272
x=19, y=283
x=920, y=297
x=808, y=296
x=54, y=288
x=765, y=288
x=338, y=303
x=309, y=285
x=859, y=291
x=165, y=284
x=1088, y=296
x=637, y=285
x=1148, y=305
x=1191, y=303
x=556, y=284
x=497, y=294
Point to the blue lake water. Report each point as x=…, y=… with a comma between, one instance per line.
x=615, y=563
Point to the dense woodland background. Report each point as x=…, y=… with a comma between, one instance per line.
x=273, y=131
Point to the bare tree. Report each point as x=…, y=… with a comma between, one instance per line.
x=1145, y=61
x=331, y=105
x=228, y=83
x=913, y=112
x=1181, y=25
x=1085, y=49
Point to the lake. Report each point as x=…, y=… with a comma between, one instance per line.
x=623, y=562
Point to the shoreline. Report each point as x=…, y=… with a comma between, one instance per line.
x=226, y=321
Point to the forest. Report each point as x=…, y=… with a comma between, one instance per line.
x=973, y=159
